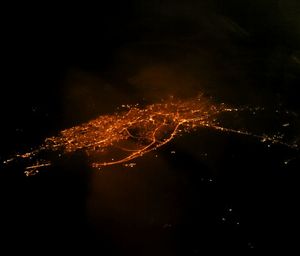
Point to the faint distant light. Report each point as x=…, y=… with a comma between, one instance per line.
x=137, y=131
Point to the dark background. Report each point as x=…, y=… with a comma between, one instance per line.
x=63, y=65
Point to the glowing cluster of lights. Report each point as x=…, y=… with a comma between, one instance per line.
x=133, y=132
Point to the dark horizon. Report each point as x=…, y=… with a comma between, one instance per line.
x=63, y=66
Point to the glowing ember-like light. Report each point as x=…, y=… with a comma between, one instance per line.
x=134, y=132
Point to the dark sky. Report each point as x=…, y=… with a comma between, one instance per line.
x=63, y=65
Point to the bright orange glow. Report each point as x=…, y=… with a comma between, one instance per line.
x=134, y=132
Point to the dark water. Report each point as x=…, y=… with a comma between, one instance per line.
x=218, y=191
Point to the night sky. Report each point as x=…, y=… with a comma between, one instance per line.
x=204, y=191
